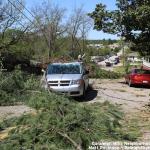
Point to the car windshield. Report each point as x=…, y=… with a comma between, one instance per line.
x=64, y=69
x=140, y=71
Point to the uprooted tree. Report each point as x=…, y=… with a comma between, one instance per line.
x=129, y=20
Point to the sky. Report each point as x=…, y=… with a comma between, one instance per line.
x=88, y=6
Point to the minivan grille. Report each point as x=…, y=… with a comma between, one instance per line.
x=59, y=83
x=64, y=83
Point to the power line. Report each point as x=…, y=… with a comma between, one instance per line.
x=44, y=33
x=29, y=13
x=21, y=13
x=25, y=8
x=16, y=20
x=12, y=17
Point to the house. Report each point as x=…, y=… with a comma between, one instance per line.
x=146, y=63
x=113, y=46
x=96, y=46
x=133, y=57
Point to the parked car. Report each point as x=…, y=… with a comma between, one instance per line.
x=138, y=77
x=117, y=60
x=97, y=59
x=68, y=78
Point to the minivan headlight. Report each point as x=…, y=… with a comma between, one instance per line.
x=79, y=82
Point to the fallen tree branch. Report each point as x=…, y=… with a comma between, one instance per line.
x=33, y=91
x=64, y=135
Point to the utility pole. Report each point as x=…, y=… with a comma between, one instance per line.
x=123, y=51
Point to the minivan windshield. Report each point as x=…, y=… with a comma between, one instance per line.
x=64, y=69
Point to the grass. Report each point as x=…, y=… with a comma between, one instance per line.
x=119, y=69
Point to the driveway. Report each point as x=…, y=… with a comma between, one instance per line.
x=13, y=111
x=131, y=99
x=135, y=101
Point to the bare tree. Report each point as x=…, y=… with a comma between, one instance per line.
x=74, y=23
x=49, y=22
x=84, y=30
x=78, y=28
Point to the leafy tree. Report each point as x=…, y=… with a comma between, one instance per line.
x=129, y=20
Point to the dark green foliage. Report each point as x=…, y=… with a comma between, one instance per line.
x=130, y=20
x=10, y=83
x=14, y=85
x=97, y=72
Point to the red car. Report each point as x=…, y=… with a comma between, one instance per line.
x=138, y=77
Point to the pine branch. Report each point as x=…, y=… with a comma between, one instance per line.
x=64, y=135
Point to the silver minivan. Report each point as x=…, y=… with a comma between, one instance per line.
x=67, y=78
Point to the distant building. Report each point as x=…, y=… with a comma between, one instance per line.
x=146, y=63
x=97, y=46
x=133, y=57
x=113, y=46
